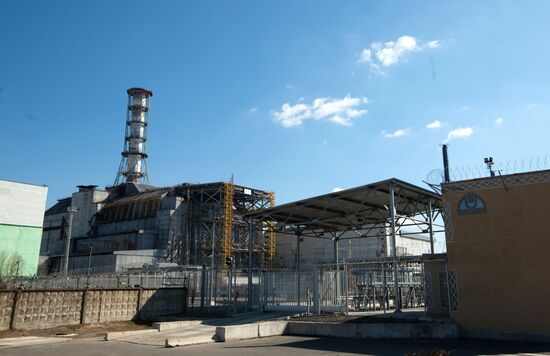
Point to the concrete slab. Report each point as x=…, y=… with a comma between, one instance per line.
x=237, y=332
x=190, y=338
x=301, y=328
x=374, y=330
x=169, y=325
x=190, y=332
x=272, y=328
x=346, y=331
x=446, y=331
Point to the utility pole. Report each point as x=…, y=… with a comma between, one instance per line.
x=70, y=210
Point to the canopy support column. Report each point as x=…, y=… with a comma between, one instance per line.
x=250, y=248
x=298, y=275
x=431, y=226
x=394, y=249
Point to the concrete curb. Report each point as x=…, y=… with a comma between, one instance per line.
x=117, y=335
x=174, y=341
x=169, y=325
x=251, y=331
x=272, y=328
x=506, y=336
x=375, y=331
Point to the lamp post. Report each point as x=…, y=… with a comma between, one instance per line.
x=90, y=258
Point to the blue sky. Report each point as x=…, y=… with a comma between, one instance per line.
x=297, y=97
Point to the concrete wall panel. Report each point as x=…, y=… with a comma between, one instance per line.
x=47, y=309
x=6, y=304
x=41, y=309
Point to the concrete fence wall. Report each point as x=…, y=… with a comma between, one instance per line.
x=39, y=309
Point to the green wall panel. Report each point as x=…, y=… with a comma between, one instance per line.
x=22, y=240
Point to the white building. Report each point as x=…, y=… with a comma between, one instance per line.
x=321, y=250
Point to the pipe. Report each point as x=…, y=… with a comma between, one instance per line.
x=446, y=164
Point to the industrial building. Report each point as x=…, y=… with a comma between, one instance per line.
x=134, y=224
x=315, y=251
x=21, y=216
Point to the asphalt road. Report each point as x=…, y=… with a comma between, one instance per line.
x=282, y=345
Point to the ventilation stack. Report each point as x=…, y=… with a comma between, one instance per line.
x=133, y=166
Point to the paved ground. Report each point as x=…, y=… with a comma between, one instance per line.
x=81, y=331
x=282, y=345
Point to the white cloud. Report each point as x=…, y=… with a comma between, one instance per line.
x=398, y=133
x=366, y=56
x=290, y=87
x=434, y=125
x=433, y=44
x=531, y=106
x=461, y=132
x=499, y=121
x=390, y=53
x=338, y=111
x=337, y=189
x=253, y=110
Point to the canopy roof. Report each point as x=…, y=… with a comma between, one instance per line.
x=352, y=208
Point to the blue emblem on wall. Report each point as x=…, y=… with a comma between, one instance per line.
x=471, y=204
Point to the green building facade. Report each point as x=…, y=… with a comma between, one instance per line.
x=21, y=216
x=21, y=241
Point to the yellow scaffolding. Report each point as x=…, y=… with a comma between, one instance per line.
x=227, y=220
x=272, y=236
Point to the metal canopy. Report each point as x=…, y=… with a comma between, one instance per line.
x=378, y=209
x=354, y=209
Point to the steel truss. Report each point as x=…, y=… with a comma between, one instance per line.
x=213, y=227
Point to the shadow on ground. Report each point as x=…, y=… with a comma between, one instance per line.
x=403, y=347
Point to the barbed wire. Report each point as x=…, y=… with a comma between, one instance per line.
x=508, y=167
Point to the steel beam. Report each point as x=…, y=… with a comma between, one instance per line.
x=394, y=250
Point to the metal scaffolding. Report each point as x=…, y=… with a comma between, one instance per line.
x=213, y=227
x=228, y=220
x=272, y=236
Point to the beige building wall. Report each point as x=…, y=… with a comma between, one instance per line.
x=501, y=256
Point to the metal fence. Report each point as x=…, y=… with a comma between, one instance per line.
x=164, y=279
x=344, y=287
x=504, y=167
x=367, y=286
